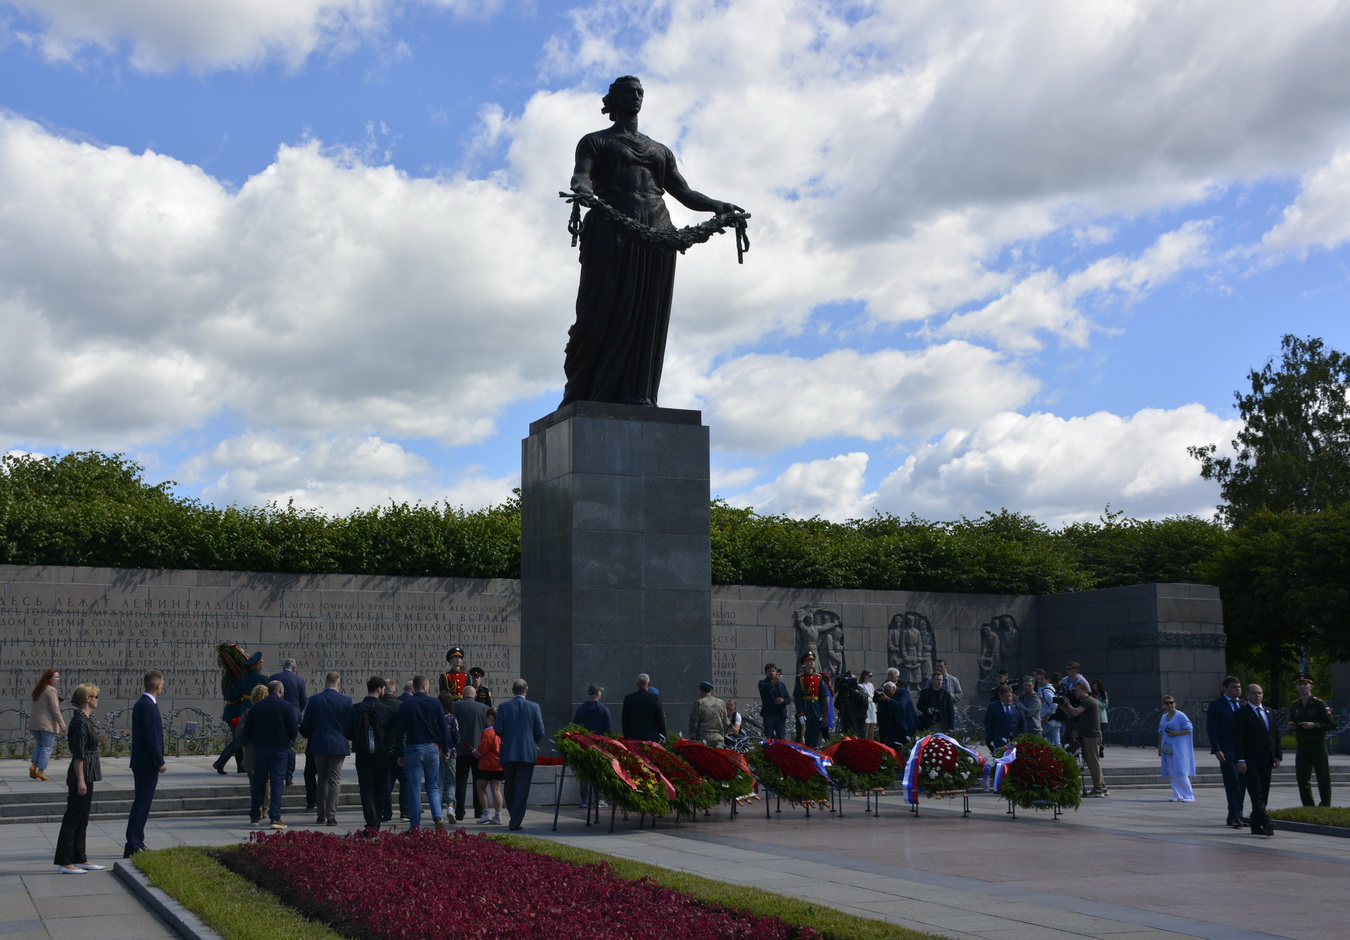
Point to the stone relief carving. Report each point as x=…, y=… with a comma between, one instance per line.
x=820, y=631
x=911, y=648
x=1000, y=642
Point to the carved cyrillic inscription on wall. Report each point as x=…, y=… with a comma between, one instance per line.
x=109, y=626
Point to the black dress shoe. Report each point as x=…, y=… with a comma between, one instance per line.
x=219, y=769
x=1270, y=829
x=321, y=820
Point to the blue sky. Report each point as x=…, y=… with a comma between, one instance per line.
x=1004, y=256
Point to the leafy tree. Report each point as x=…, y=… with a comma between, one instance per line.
x=1117, y=551
x=1293, y=451
x=1283, y=578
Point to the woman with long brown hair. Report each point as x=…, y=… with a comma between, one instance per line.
x=45, y=722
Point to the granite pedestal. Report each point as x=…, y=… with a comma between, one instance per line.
x=615, y=557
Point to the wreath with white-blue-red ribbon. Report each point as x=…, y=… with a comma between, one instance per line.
x=967, y=766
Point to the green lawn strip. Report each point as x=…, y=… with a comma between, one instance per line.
x=1315, y=815
x=828, y=921
x=234, y=907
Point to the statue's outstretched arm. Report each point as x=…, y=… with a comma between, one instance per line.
x=692, y=198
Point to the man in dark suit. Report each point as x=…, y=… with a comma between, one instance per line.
x=643, y=717
x=298, y=697
x=1003, y=720
x=325, y=725
x=147, y=759
x=520, y=726
x=896, y=715
x=1256, y=745
x=372, y=749
x=470, y=713
x=1219, y=725
x=270, y=725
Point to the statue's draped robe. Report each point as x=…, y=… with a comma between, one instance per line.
x=616, y=346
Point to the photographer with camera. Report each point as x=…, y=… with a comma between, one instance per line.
x=1085, y=713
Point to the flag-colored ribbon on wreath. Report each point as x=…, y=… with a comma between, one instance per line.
x=1000, y=769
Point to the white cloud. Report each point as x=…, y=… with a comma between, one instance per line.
x=162, y=35
x=1061, y=470
x=1320, y=216
x=336, y=474
x=831, y=488
x=1045, y=303
x=771, y=402
x=324, y=294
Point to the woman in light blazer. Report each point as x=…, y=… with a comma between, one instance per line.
x=45, y=722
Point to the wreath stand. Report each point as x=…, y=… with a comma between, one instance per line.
x=1037, y=804
x=946, y=795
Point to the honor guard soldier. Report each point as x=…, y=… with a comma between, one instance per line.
x=811, y=696
x=454, y=680
x=1310, y=719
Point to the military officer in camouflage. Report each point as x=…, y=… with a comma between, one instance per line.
x=708, y=718
x=1310, y=719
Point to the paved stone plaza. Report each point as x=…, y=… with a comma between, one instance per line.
x=1129, y=866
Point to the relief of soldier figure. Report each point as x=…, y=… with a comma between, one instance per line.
x=911, y=648
x=999, y=645
x=820, y=632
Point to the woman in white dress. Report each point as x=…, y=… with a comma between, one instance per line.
x=870, y=721
x=1176, y=747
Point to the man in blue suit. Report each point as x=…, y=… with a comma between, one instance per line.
x=297, y=696
x=1004, y=720
x=325, y=725
x=270, y=725
x=520, y=726
x=1219, y=725
x=147, y=759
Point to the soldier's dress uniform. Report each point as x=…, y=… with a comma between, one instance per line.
x=455, y=678
x=1311, y=753
x=454, y=682
x=811, y=695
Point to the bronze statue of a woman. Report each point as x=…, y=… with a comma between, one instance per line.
x=616, y=346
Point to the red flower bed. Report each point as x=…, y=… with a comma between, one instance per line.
x=433, y=885
x=548, y=761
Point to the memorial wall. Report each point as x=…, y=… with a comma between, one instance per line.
x=109, y=626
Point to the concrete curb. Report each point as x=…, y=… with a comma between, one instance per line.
x=174, y=914
x=1339, y=832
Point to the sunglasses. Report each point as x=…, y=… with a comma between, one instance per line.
x=1168, y=701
